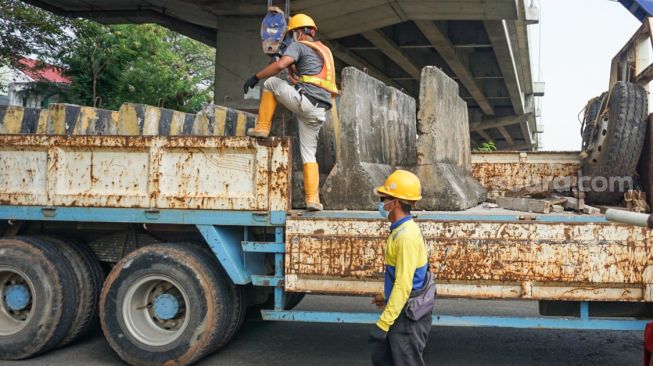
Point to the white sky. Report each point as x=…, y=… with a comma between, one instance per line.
x=579, y=39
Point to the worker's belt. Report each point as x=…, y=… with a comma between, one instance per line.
x=314, y=101
x=318, y=103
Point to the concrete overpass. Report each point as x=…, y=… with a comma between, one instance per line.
x=483, y=44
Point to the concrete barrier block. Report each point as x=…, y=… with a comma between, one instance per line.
x=95, y=121
x=62, y=118
x=58, y=119
x=147, y=120
x=70, y=119
x=376, y=134
x=42, y=124
x=201, y=125
x=16, y=119
x=217, y=120
x=129, y=121
x=443, y=146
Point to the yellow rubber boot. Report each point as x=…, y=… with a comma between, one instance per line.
x=311, y=187
x=265, y=113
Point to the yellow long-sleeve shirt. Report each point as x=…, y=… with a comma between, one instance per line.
x=406, y=264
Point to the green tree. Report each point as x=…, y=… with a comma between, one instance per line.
x=27, y=30
x=487, y=146
x=111, y=65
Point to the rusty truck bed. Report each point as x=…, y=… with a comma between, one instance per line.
x=478, y=253
x=158, y=172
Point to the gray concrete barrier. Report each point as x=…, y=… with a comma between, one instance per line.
x=443, y=147
x=376, y=133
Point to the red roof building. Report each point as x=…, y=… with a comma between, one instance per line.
x=16, y=82
x=40, y=71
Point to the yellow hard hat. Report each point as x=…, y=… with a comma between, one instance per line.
x=301, y=21
x=401, y=184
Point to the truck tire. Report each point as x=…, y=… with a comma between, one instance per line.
x=88, y=278
x=616, y=143
x=235, y=292
x=592, y=110
x=32, y=269
x=165, y=304
x=238, y=310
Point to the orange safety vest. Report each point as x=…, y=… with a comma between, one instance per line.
x=326, y=78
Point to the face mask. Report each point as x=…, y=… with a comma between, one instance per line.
x=385, y=214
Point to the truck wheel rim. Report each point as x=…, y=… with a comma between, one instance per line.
x=155, y=310
x=16, y=303
x=598, y=141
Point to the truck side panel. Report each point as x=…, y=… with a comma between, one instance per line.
x=189, y=172
x=479, y=259
x=501, y=171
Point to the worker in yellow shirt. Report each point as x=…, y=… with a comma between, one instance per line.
x=397, y=339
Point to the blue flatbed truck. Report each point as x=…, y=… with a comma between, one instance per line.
x=170, y=239
x=192, y=231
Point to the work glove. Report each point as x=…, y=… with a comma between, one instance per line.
x=376, y=334
x=250, y=83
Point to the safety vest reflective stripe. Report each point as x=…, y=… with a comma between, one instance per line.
x=326, y=78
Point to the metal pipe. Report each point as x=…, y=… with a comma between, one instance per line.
x=626, y=217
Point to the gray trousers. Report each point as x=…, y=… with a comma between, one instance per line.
x=310, y=117
x=405, y=343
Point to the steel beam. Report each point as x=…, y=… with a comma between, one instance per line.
x=498, y=122
x=526, y=131
x=523, y=45
x=343, y=54
x=225, y=244
x=521, y=146
x=504, y=132
x=448, y=53
x=583, y=322
x=497, y=31
x=392, y=51
x=143, y=216
x=484, y=135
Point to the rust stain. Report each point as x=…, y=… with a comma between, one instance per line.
x=198, y=172
x=500, y=171
x=592, y=255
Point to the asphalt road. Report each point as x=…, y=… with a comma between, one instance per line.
x=275, y=343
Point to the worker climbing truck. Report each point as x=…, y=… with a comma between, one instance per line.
x=168, y=226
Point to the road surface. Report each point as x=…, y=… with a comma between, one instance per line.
x=275, y=343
